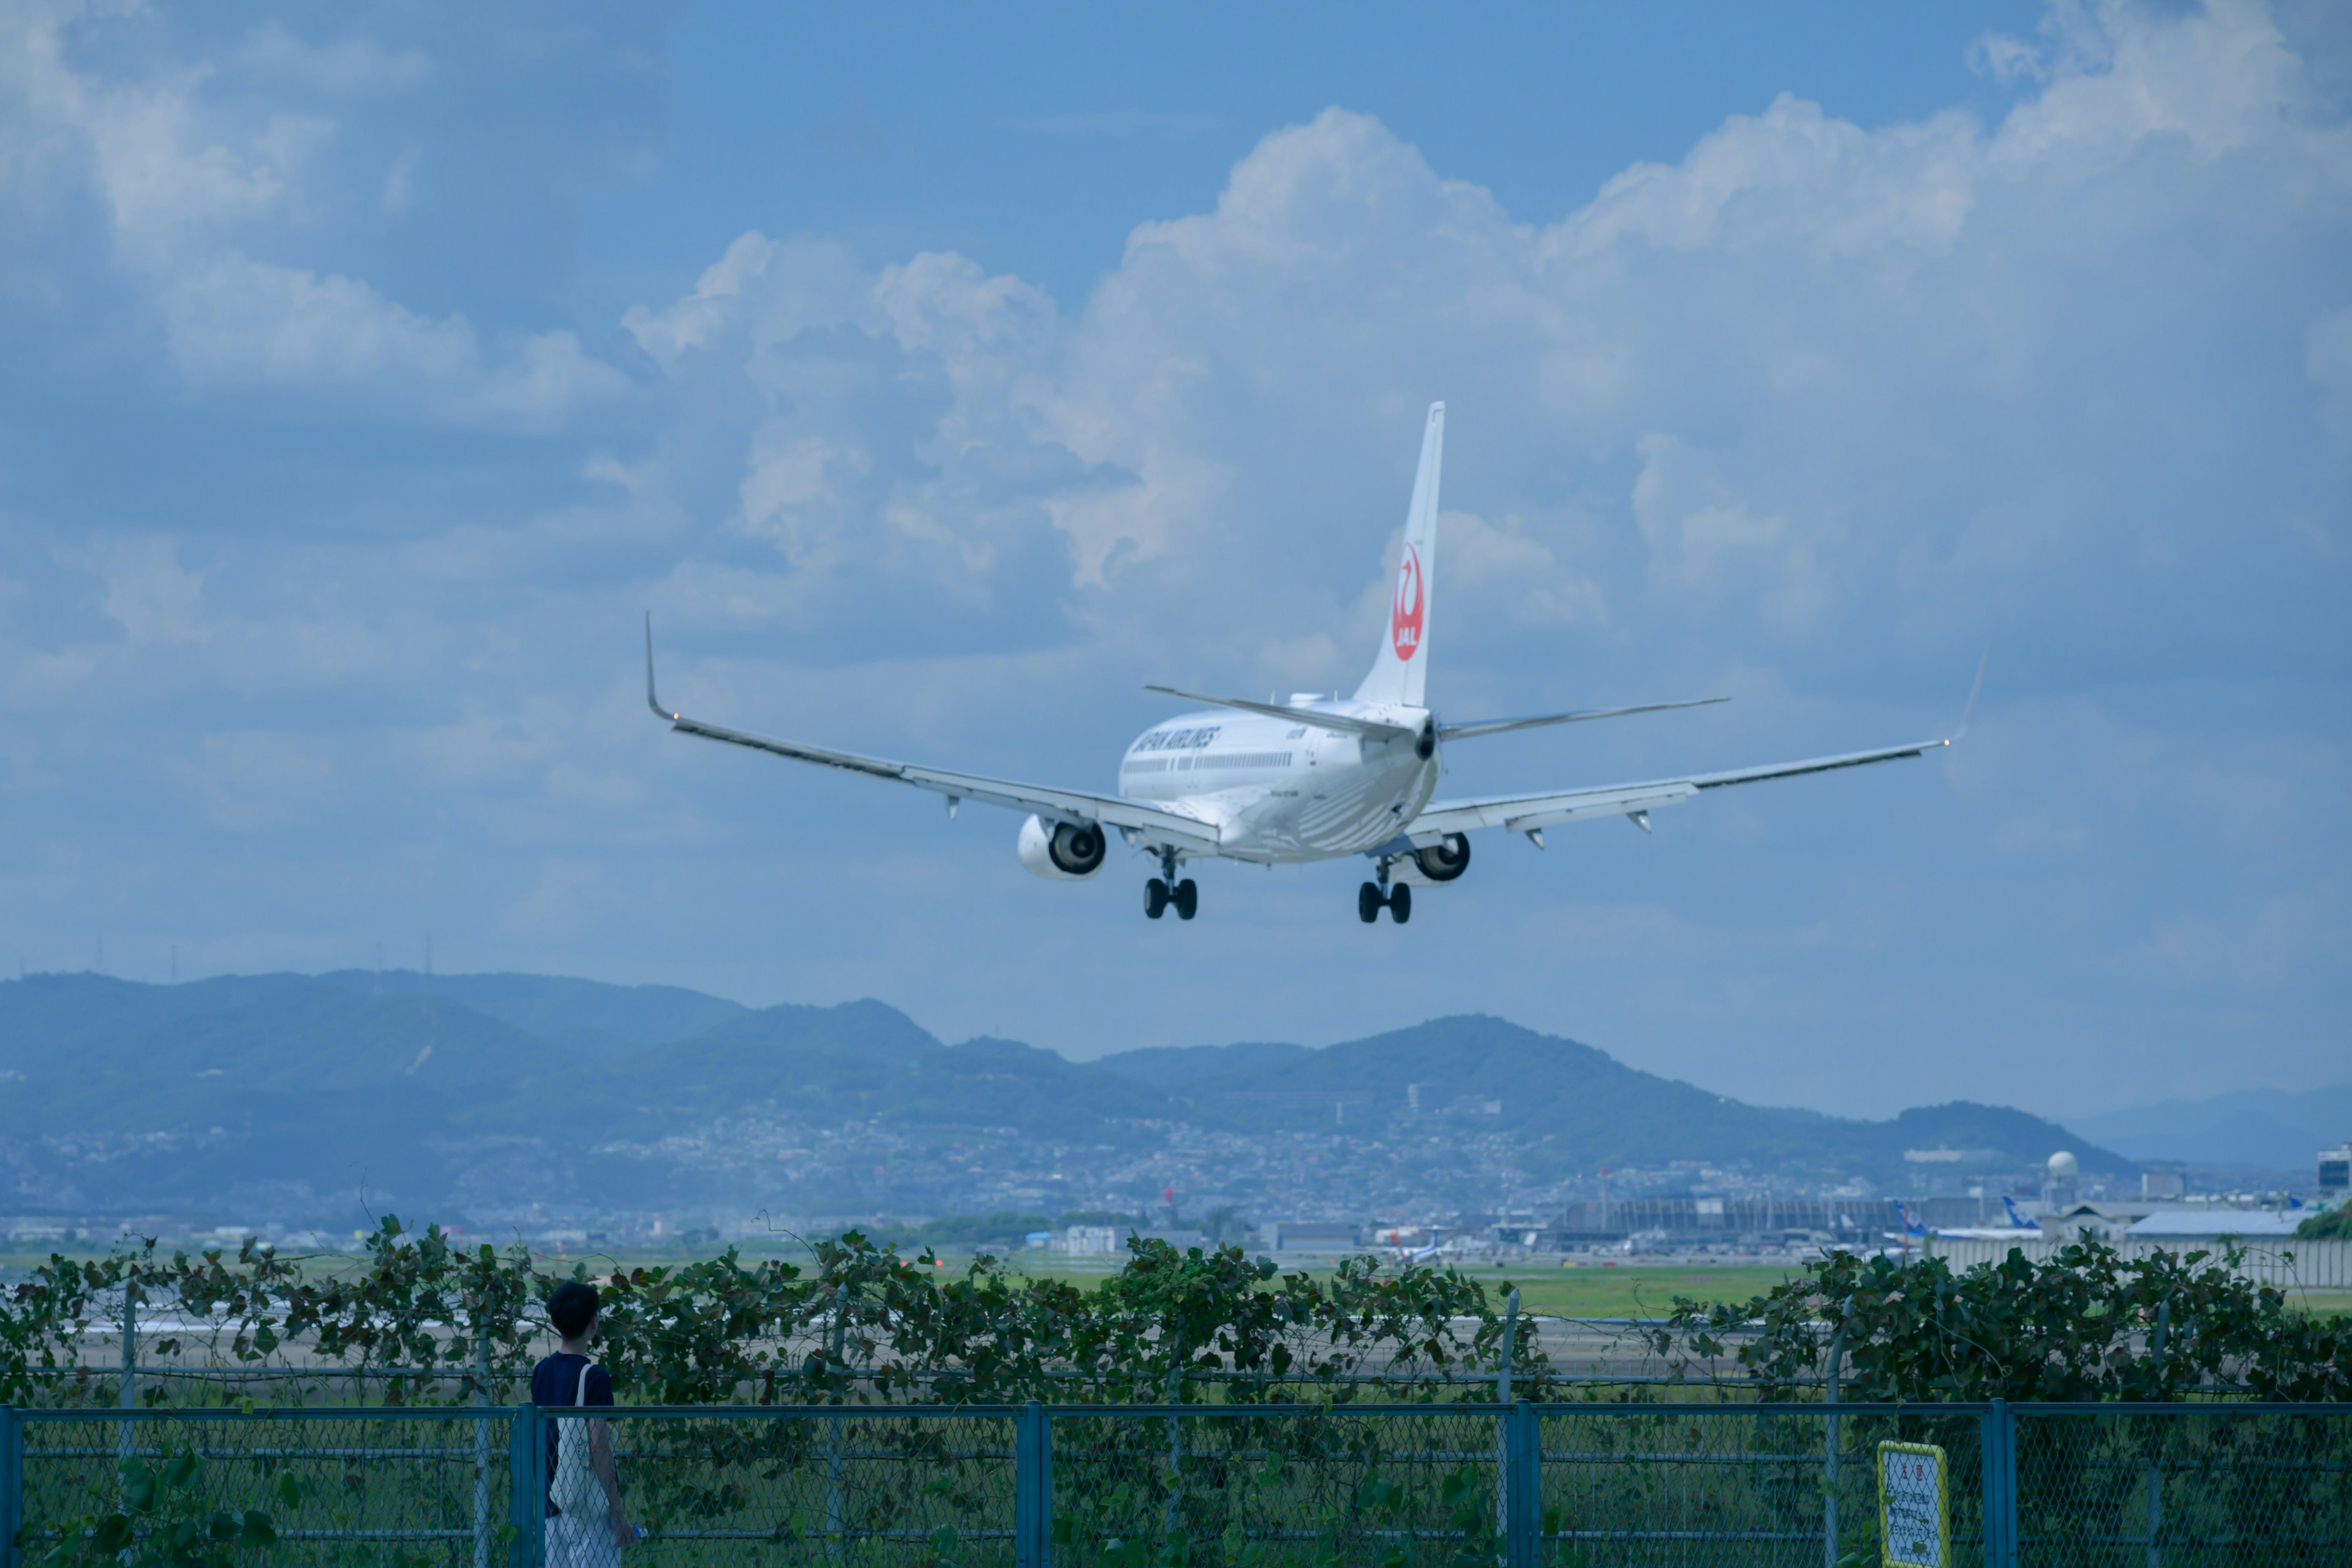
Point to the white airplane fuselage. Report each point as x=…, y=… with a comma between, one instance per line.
x=1281, y=793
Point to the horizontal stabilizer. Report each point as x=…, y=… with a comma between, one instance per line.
x=1339, y=722
x=1502, y=726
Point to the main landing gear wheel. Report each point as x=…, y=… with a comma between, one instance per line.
x=1369, y=900
x=1155, y=899
x=1400, y=903
x=1187, y=898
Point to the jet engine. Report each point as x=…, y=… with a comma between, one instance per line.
x=1064, y=852
x=1446, y=860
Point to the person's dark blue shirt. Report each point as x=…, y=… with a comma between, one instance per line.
x=556, y=1381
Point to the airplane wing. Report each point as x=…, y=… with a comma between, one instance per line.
x=1531, y=814
x=1151, y=824
x=1502, y=726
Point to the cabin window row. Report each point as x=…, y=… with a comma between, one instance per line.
x=1204, y=765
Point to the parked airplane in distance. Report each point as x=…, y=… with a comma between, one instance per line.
x=2018, y=1228
x=1317, y=778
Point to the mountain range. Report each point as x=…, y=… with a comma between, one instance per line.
x=305, y=1096
x=2257, y=1129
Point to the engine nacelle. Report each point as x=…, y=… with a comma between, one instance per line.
x=1446, y=860
x=1064, y=852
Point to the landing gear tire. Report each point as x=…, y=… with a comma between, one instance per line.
x=1369, y=902
x=1187, y=898
x=1155, y=899
x=1400, y=903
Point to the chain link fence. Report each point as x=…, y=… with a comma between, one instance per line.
x=1318, y=1485
x=2159, y=1486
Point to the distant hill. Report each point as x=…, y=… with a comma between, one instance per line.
x=1575, y=1107
x=553, y=1004
x=2261, y=1129
x=302, y=1095
x=1169, y=1067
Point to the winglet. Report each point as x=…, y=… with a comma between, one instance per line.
x=651, y=700
x=1968, y=716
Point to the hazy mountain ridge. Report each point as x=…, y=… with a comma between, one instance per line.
x=2260, y=1128
x=298, y=1091
x=557, y=1004
x=1169, y=1067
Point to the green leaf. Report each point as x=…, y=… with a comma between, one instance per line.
x=257, y=1529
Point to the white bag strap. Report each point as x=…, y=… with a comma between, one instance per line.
x=579, y=1395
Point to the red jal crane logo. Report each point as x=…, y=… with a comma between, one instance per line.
x=1404, y=618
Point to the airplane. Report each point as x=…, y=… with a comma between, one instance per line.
x=2018, y=1228
x=1319, y=777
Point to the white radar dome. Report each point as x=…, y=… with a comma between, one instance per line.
x=2062, y=1163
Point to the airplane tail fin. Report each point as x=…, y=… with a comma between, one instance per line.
x=1400, y=672
x=2015, y=1218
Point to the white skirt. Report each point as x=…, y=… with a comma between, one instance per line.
x=581, y=1542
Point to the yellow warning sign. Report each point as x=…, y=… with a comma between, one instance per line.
x=1914, y=1515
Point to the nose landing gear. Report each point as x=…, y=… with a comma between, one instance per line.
x=1163, y=891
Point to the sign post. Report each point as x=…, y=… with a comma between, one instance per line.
x=1914, y=1511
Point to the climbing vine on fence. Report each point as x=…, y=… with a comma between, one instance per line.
x=421, y=1318
x=2089, y=1323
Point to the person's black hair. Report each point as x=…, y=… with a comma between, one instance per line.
x=573, y=1307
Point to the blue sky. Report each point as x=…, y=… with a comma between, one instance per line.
x=938, y=380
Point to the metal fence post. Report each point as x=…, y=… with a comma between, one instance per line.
x=833, y=1470
x=1524, y=1480
x=481, y=1442
x=127, y=1440
x=12, y=1484
x=527, y=1488
x=1999, y=1485
x=1174, y=1511
x=1503, y=1400
x=2157, y=1436
x=1829, y=1454
x=1032, y=1488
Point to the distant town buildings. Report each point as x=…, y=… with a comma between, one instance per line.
x=1307, y=1235
x=1089, y=1241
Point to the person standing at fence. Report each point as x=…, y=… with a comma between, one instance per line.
x=580, y=1472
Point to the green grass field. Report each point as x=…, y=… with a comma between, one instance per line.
x=1595, y=1290
x=1590, y=1291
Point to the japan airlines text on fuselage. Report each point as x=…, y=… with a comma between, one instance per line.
x=1316, y=778
x=1284, y=791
